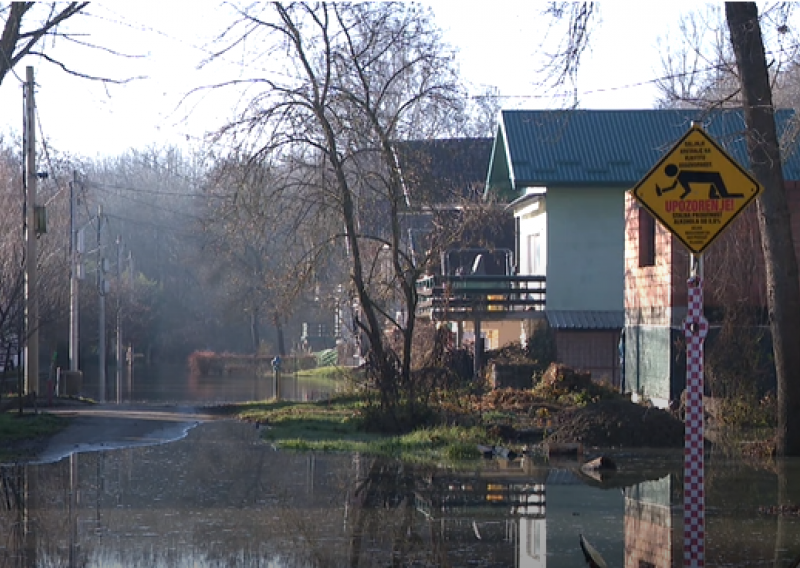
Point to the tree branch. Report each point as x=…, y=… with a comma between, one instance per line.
x=84, y=75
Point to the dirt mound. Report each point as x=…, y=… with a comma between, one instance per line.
x=618, y=423
x=565, y=378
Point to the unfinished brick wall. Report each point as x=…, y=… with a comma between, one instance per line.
x=733, y=265
x=650, y=290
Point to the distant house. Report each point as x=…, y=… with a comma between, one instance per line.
x=567, y=174
x=442, y=178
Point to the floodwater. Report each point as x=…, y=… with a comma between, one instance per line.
x=174, y=384
x=221, y=497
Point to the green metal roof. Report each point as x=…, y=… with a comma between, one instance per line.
x=606, y=147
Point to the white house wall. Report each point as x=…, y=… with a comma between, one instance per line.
x=585, y=248
x=533, y=229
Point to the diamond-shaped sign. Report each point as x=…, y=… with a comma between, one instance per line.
x=696, y=190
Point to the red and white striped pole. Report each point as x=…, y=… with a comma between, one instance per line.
x=695, y=330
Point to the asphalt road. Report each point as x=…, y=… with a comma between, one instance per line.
x=112, y=426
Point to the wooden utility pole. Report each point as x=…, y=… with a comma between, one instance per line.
x=73, y=277
x=101, y=292
x=118, y=354
x=31, y=299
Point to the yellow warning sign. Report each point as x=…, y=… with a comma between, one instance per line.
x=696, y=190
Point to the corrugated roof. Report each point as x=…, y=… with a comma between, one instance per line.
x=585, y=319
x=608, y=147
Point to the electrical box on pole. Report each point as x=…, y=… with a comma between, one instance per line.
x=80, y=241
x=39, y=219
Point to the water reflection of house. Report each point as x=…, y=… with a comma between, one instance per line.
x=488, y=507
x=507, y=503
x=648, y=524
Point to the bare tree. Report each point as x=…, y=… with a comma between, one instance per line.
x=580, y=19
x=11, y=258
x=256, y=240
x=150, y=200
x=26, y=26
x=19, y=39
x=699, y=73
x=700, y=67
x=783, y=284
x=357, y=78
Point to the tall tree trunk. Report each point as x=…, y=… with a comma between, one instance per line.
x=783, y=286
x=280, y=337
x=255, y=333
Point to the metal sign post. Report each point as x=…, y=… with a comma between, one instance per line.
x=695, y=329
x=696, y=190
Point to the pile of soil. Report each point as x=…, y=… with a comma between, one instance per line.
x=566, y=406
x=564, y=378
x=617, y=423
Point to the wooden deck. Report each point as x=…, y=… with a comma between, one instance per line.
x=486, y=298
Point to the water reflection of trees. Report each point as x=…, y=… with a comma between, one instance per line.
x=22, y=517
x=383, y=509
x=12, y=511
x=221, y=499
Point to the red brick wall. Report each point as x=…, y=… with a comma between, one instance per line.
x=649, y=289
x=733, y=263
x=648, y=535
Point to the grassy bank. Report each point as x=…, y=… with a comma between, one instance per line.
x=22, y=434
x=334, y=425
x=326, y=376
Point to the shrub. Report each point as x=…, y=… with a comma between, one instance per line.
x=204, y=363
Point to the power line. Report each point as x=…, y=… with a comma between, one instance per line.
x=51, y=169
x=150, y=205
x=142, y=223
x=108, y=186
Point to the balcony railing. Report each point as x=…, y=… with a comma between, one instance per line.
x=453, y=298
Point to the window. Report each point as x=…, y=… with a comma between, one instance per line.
x=536, y=254
x=647, y=238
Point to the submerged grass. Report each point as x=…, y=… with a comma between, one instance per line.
x=334, y=425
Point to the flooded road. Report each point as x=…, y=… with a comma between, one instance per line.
x=219, y=496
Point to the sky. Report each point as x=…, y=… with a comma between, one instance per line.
x=498, y=44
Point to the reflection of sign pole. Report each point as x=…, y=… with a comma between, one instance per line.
x=276, y=377
x=695, y=328
x=696, y=190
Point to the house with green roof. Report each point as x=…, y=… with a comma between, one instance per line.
x=611, y=271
